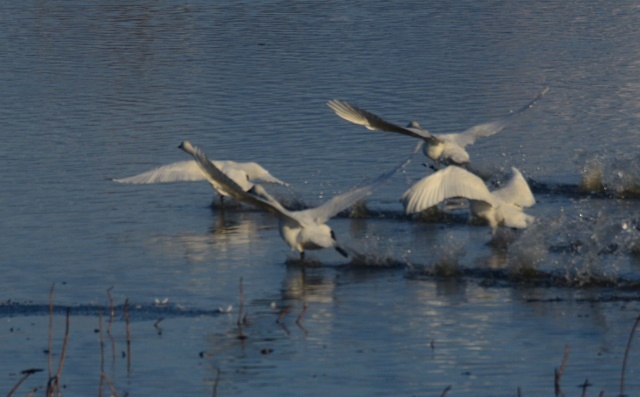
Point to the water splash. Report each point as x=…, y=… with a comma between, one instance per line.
x=530, y=250
x=586, y=247
x=372, y=251
x=614, y=174
x=446, y=259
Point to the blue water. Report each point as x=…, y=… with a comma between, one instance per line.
x=92, y=91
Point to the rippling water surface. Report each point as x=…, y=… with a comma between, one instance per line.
x=92, y=91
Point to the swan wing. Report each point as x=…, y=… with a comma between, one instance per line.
x=257, y=173
x=245, y=174
x=213, y=174
x=341, y=202
x=371, y=121
x=174, y=172
x=448, y=183
x=267, y=178
x=516, y=191
x=469, y=136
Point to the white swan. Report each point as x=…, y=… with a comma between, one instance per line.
x=301, y=230
x=243, y=174
x=502, y=207
x=441, y=148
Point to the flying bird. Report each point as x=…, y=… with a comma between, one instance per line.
x=446, y=149
x=502, y=207
x=301, y=230
x=243, y=174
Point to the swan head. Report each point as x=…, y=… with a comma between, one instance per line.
x=187, y=147
x=256, y=172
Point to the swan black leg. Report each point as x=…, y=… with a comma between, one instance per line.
x=431, y=166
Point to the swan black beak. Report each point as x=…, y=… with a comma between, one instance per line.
x=341, y=251
x=338, y=248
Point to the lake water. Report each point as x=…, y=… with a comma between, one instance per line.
x=96, y=90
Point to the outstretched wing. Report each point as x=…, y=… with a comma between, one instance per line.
x=212, y=173
x=343, y=201
x=447, y=183
x=174, y=172
x=371, y=121
x=492, y=127
x=516, y=191
x=257, y=173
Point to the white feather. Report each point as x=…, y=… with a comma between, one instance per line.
x=500, y=208
x=243, y=174
x=441, y=148
x=301, y=230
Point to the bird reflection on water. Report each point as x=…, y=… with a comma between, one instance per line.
x=232, y=231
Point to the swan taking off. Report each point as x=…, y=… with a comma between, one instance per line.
x=441, y=148
x=301, y=230
x=243, y=174
x=502, y=207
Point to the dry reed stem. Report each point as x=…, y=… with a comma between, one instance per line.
x=111, y=309
x=53, y=384
x=283, y=313
x=157, y=326
x=126, y=319
x=51, y=329
x=111, y=316
x=114, y=392
x=285, y=329
x=27, y=373
x=50, y=389
x=626, y=355
x=302, y=313
x=63, y=354
x=33, y=392
x=239, y=322
x=558, y=372
x=101, y=384
x=241, y=334
x=585, y=386
x=215, y=383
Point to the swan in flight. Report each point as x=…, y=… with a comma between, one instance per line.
x=502, y=207
x=243, y=174
x=301, y=230
x=441, y=148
